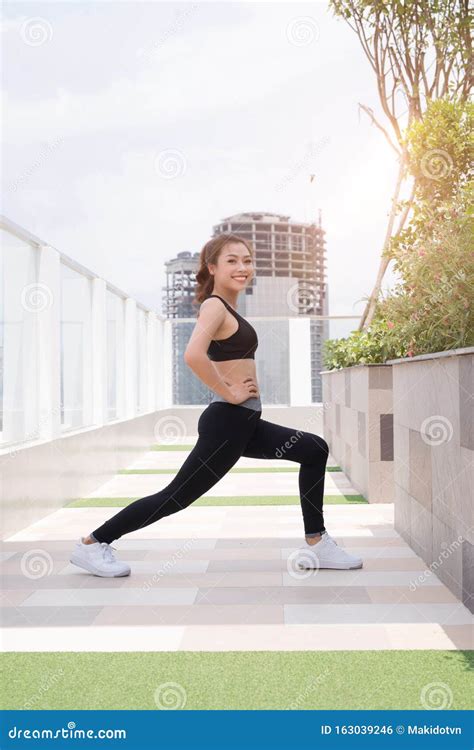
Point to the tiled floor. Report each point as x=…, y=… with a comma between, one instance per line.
x=221, y=578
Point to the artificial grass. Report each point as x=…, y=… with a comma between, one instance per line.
x=326, y=680
x=121, y=502
x=239, y=470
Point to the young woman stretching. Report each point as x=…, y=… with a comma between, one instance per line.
x=229, y=427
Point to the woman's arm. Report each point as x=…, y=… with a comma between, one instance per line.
x=211, y=317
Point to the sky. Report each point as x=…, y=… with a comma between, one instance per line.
x=131, y=128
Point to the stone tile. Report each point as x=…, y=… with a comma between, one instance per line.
x=381, y=487
x=165, y=545
x=347, y=388
x=376, y=613
x=250, y=553
x=386, y=437
x=453, y=487
x=285, y=638
x=163, y=566
x=421, y=531
x=420, y=469
x=198, y=614
x=401, y=451
x=402, y=507
x=47, y=616
x=357, y=577
x=237, y=579
x=405, y=594
x=88, y=639
x=361, y=434
x=111, y=596
x=285, y=595
x=447, y=556
x=229, y=566
x=386, y=554
x=348, y=458
x=427, y=389
x=14, y=597
x=466, y=401
x=79, y=580
x=468, y=574
x=380, y=377
x=338, y=420
x=410, y=563
x=418, y=636
x=461, y=636
x=360, y=388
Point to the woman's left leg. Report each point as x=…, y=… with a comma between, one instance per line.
x=271, y=440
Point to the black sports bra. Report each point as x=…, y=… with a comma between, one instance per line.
x=240, y=345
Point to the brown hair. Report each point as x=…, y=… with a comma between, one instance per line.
x=209, y=254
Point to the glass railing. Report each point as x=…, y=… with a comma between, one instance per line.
x=78, y=353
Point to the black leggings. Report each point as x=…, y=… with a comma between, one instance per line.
x=226, y=432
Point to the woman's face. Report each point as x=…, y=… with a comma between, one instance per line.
x=234, y=268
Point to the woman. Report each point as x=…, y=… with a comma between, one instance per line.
x=221, y=353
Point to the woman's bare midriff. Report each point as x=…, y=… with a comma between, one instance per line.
x=237, y=370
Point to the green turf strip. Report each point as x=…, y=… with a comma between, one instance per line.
x=260, y=469
x=121, y=502
x=324, y=680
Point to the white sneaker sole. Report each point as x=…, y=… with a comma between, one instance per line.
x=333, y=566
x=81, y=563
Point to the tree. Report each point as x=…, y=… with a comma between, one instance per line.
x=420, y=50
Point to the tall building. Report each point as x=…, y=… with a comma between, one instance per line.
x=290, y=279
x=178, y=303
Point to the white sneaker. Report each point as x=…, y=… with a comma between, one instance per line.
x=99, y=559
x=326, y=554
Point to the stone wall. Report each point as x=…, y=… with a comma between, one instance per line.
x=358, y=425
x=434, y=463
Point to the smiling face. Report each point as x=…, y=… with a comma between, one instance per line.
x=234, y=268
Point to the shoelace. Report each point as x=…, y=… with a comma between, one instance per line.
x=107, y=552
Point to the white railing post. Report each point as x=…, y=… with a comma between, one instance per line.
x=165, y=364
x=99, y=352
x=299, y=352
x=151, y=361
x=131, y=354
x=48, y=321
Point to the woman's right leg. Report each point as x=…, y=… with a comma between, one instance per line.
x=224, y=430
